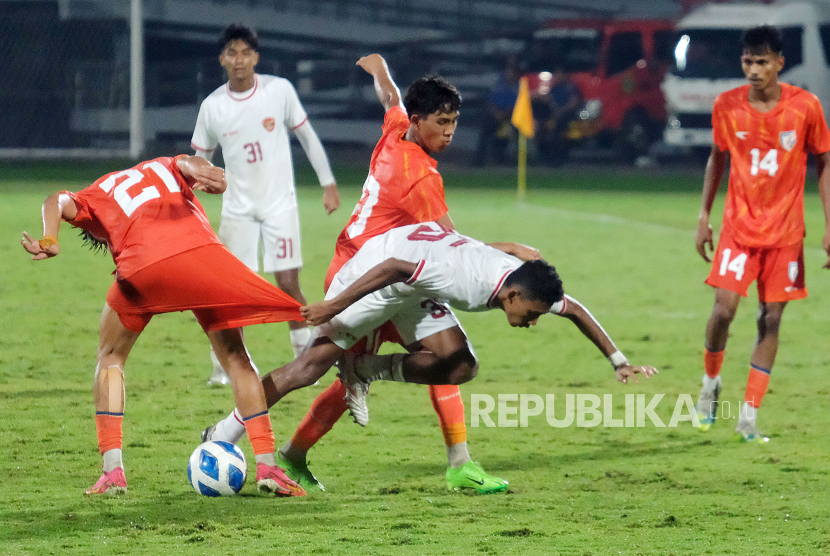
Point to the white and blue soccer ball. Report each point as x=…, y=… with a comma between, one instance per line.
x=217, y=469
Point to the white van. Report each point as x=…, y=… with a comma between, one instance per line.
x=707, y=59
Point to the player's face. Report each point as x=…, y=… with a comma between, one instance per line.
x=761, y=70
x=436, y=131
x=239, y=60
x=522, y=312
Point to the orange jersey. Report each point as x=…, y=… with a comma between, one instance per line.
x=403, y=187
x=765, y=200
x=144, y=214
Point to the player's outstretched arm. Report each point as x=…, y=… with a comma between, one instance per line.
x=206, y=176
x=715, y=167
x=56, y=207
x=593, y=330
x=388, y=93
x=521, y=252
x=384, y=274
x=823, y=169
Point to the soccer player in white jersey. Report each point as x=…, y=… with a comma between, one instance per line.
x=249, y=117
x=408, y=276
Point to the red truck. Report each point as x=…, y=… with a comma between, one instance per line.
x=617, y=67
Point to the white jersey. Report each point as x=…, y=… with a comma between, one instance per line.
x=252, y=128
x=458, y=270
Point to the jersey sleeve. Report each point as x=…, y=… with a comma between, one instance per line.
x=295, y=114
x=425, y=199
x=818, y=135
x=85, y=219
x=395, y=118
x=718, y=125
x=203, y=138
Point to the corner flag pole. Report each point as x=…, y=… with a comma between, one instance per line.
x=522, y=171
x=523, y=120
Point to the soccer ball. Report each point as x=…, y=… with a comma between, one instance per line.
x=217, y=469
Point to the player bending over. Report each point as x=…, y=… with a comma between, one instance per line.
x=167, y=259
x=408, y=276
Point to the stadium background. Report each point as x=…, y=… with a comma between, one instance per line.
x=67, y=63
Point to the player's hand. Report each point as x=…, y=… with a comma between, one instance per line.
x=318, y=313
x=704, y=238
x=526, y=253
x=331, y=198
x=210, y=179
x=32, y=246
x=372, y=63
x=629, y=371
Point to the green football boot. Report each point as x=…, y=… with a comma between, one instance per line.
x=301, y=474
x=746, y=431
x=472, y=476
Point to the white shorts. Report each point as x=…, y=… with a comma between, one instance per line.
x=280, y=235
x=415, y=317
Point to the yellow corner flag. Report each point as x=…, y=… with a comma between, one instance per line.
x=522, y=113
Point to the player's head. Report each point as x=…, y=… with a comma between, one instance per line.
x=432, y=103
x=529, y=292
x=241, y=32
x=239, y=54
x=761, y=59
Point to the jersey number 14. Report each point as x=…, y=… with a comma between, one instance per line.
x=769, y=163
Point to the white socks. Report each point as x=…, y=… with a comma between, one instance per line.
x=299, y=339
x=112, y=459
x=748, y=413
x=380, y=367
x=458, y=455
x=230, y=429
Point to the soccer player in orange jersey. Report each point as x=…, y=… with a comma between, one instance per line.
x=167, y=258
x=766, y=128
x=403, y=187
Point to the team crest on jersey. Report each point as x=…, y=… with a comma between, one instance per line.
x=269, y=124
x=788, y=139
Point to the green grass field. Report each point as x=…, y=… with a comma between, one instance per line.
x=623, y=243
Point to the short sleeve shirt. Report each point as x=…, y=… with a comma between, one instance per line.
x=144, y=214
x=765, y=200
x=403, y=187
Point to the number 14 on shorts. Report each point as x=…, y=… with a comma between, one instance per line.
x=730, y=264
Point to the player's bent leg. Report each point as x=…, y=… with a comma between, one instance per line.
x=115, y=343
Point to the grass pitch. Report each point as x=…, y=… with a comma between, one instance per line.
x=624, y=247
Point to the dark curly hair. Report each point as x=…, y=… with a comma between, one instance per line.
x=538, y=280
x=430, y=94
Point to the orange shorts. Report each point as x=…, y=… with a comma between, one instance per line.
x=779, y=271
x=220, y=290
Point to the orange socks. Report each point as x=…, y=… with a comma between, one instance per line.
x=108, y=427
x=446, y=399
x=326, y=409
x=260, y=433
x=712, y=362
x=756, y=385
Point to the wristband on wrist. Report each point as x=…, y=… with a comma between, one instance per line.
x=617, y=359
x=47, y=241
